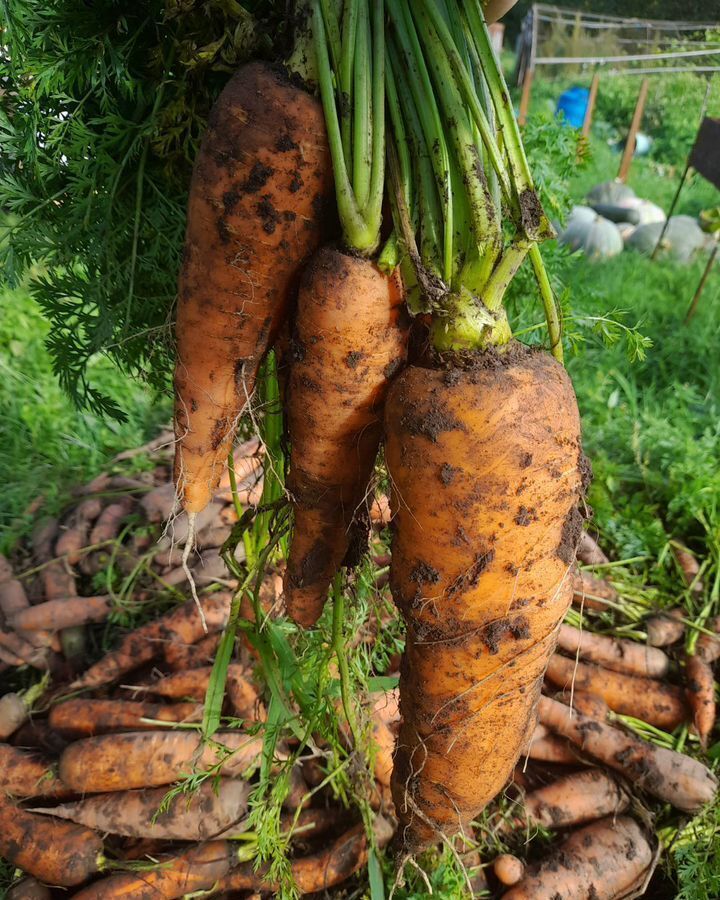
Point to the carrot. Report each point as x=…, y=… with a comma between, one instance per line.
x=119, y=762
x=25, y=774
x=481, y=580
x=588, y=704
x=43, y=539
x=671, y=776
x=346, y=352
x=197, y=816
x=75, y=537
x=574, y=799
x=184, y=625
x=211, y=536
x=508, y=869
x=178, y=528
x=181, y=657
x=318, y=872
x=708, y=645
x=254, y=215
x=547, y=747
x=84, y=718
x=36, y=734
x=111, y=519
x=19, y=652
x=666, y=627
x=617, y=654
x=243, y=695
x=591, y=592
x=13, y=712
x=197, y=869
x=55, y=615
x=385, y=722
x=191, y=685
x=159, y=504
x=689, y=567
x=700, y=693
x=662, y=705
x=589, y=552
x=29, y=888
x=58, y=581
x=606, y=860
x=13, y=600
x=56, y=852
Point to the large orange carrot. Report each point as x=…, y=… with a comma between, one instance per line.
x=574, y=799
x=348, y=345
x=486, y=469
x=606, y=860
x=84, y=718
x=700, y=693
x=671, y=776
x=197, y=869
x=55, y=615
x=197, y=816
x=255, y=214
x=25, y=774
x=617, y=654
x=662, y=705
x=183, y=625
x=53, y=851
x=119, y=762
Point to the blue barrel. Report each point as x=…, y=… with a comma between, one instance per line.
x=572, y=104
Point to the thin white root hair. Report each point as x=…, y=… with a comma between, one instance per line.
x=187, y=550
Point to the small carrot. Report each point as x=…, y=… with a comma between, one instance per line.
x=181, y=657
x=606, y=860
x=85, y=718
x=666, y=627
x=159, y=504
x=18, y=652
x=700, y=693
x=182, y=625
x=662, y=705
x=547, y=747
x=575, y=799
x=68, y=612
x=13, y=600
x=689, y=567
x=508, y=869
x=671, y=776
x=56, y=852
x=75, y=536
x=26, y=774
x=119, y=762
x=198, y=816
x=110, y=521
x=243, y=695
x=589, y=552
x=617, y=654
x=190, y=685
x=591, y=592
x=586, y=703
x=708, y=645
x=195, y=870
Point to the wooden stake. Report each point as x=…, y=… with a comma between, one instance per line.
x=694, y=302
x=587, y=122
x=525, y=96
x=632, y=134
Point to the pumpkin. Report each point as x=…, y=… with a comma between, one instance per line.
x=611, y=193
x=597, y=237
x=636, y=212
x=682, y=239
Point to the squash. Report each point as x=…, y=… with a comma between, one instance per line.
x=612, y=193
x=682, y=239
x=597, y=237
x=636, y=212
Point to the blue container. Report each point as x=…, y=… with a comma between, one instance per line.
x=572, y=104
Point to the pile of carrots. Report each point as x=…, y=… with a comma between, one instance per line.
x=89, y=761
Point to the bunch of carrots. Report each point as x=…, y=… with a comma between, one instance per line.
x=335, y=330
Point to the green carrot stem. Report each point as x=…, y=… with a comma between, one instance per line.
x=332, y=29
x=548, y=301
x=504, y=273
x=346, y=70
x=373, y=208
x=362, y=109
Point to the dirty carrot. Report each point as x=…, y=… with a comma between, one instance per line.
x=574, y=799
x=605, y=861
x=589, y=552
x=13, y=712
x=708, y=645
x=118, y=762
x=183, y=625
x=508, y=869
x=181, y=657
x=26, y=774
x=255, y=213
x=700, y=693
x=666, y=627
x=55, y=615
x=591, y=592
x=56, y=852
x=618, y=654
x=198, y=816
x=348, y=346
x=659, y=704
x=588, y=704
x=84, y=718
x=671, y=776
x=547, y=747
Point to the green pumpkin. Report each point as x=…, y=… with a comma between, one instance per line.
x=598, y=238
x=682, y=240
x=611, y=193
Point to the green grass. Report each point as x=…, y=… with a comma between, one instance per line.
x=48, y=446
